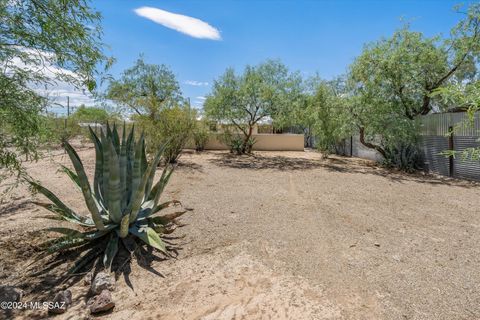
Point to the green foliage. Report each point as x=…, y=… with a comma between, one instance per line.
x=91, y=114
x=461, y=95
x=465, y=96
x=35, y=35
x=243, y=100
x=123, y=200
x=173, y=126
x=153, y=94
x=392, y=81
x=324, y=115
x=145, y=89
x=201, y=135
x=236, y=142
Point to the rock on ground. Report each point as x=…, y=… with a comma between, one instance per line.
x=101, y=303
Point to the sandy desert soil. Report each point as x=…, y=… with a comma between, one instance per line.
x=284, y=235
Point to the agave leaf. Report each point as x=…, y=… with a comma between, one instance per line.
x=72, y=175
x=58, y=206
x=87, y=193
x=114, y=189
x=130, y=157
x=66, y=244
x=139, y=194
x=61, y=214
x=66, y=231
x=110, y=251
x=109, y=131
x=164, y=229
x=98, y=177
x=84, y=260
x=161, y=184
x=149, y=236
x=105, y=167
x=123, y=171
x=124, y=226
x=136, y=170
x=144, y=162
x=146, y=213
x=115, y=139
x=166, y=218
x=148, y=187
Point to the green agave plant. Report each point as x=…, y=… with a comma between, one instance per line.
x=122, y=202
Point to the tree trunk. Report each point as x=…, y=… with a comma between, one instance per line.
x=245, y=147
x=371, y=145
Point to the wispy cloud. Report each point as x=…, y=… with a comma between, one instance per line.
x=57, y=89
x=196, y=83
x=188, y=25
x=201, y=98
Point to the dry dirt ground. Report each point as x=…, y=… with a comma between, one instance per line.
x=283, y=235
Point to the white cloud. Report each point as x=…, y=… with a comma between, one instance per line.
x=196, y=83
x=56, y=90
x=190, y=26
x=201, y=98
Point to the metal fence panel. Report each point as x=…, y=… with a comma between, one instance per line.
x=465, y=168
x=432, y=147
x=435, y=136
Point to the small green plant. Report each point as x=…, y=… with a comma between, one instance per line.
x=200, y=136
x=123, y=201
x=236, y=142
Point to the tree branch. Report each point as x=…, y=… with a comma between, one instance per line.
x=371, y=145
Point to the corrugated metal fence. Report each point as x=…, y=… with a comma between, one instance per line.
x=450, y=131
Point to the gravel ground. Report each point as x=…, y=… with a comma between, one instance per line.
x=287, y=235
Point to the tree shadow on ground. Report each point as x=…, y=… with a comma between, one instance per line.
x=185, y=165
x=334, y=164
x=12, y=207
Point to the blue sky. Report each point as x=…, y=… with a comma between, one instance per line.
x=309, y=36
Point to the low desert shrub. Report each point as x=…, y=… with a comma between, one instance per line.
x=200, y=136
x=173, y=125
x=236, y=142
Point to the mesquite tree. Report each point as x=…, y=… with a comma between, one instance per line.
x=42, y=42
x=244, y=100
x=392, y=81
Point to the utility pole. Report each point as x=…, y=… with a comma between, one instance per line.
x=68, y=111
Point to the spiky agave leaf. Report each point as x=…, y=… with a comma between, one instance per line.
x=149, y=236
x=87, y=192
x=110, y=251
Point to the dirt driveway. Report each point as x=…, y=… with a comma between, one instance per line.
x=291, y=236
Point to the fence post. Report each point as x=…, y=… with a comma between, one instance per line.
x=450, y=147
x=351, y=146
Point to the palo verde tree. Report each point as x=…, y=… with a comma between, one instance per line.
x=244, y=100
x=42, y=42
x=392, y=81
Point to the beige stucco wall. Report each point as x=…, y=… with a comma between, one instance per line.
x=265, y=142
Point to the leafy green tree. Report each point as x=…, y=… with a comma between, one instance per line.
x=62, y=37
x=326, y=112
x=392, y=81
x=261, y=92
x=145, y=89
